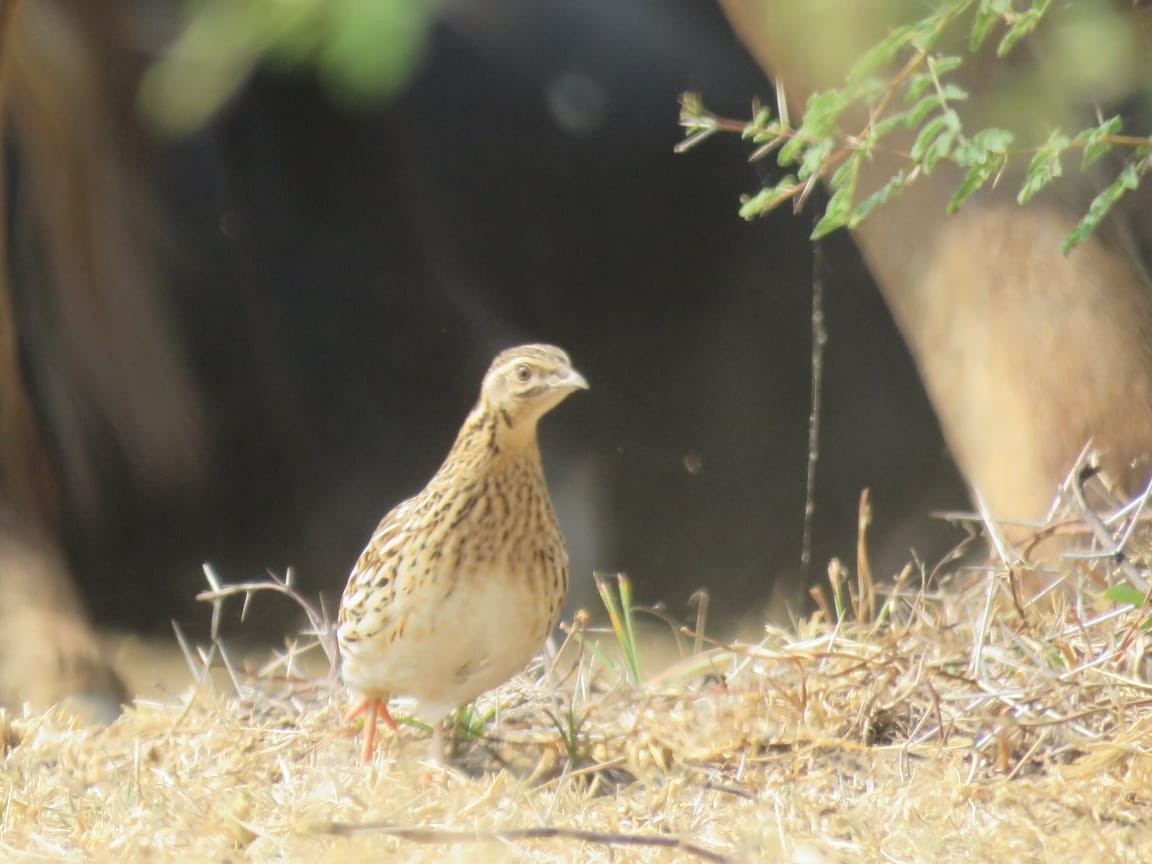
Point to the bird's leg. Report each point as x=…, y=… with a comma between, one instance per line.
x=437, y=756
x=372, y=707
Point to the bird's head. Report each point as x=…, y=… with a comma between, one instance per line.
x=524, y=383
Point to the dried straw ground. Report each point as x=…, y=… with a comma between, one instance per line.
x=942, y=719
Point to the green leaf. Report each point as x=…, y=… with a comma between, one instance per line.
x=935, y=140
x=835, y=214
x=994, y=140
x=362, y=49
x=1128, y=180
x=984, y=145
x=772, y=132
x=899, y=120
x=870, y=90
x=205, y=65
x=1125, y=593
x=984, y=155
x=791, y=151
x=691, y=104
x=926, y=32
x=927, y=135
x=823, y=111
x=877, y=198
x=371, y=49
x=987, y=14
x=767, y=198
x=918, y=112
x=917, y=86
x=1094, y=147
x=881, y=54
x=839, y=208
x=756, y=126
x=941, y=148
x=1024, y=24
x=847, y=173
x=814, y=159
x=1045, y=166
x=945, y=63
x=979, y=174
x=953, y=92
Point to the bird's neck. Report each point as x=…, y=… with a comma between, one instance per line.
x=492, y=434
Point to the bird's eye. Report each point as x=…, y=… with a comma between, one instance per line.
x=523, y=373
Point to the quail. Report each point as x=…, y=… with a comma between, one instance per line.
x=460, y=585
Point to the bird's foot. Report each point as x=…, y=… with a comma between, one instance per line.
x=372, y=708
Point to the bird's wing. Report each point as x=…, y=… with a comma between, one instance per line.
x=365, y=606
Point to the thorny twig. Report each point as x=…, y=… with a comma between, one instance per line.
x=1084, y=470
x=320, y=623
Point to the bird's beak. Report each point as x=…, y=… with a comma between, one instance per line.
x=572, y=380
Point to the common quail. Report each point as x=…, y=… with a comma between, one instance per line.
x=461, y=584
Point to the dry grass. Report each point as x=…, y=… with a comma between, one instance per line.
x=949, y=721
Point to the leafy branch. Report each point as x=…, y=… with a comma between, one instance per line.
x=919, y=103
x=363, y=51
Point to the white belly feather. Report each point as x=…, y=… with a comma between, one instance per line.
x=453, y=648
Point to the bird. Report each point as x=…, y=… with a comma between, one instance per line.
x=460, y=585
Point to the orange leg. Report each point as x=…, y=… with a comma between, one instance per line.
x=372, y=707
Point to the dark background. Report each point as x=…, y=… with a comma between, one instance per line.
x=344, y=277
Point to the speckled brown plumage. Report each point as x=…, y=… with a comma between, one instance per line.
x=460, y=585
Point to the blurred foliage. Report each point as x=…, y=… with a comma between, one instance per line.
x=907, y=96
x=363, y=51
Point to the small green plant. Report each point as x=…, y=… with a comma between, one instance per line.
x=469, y=722
x=570, y=728
x=838, y=579
x=622, y=617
